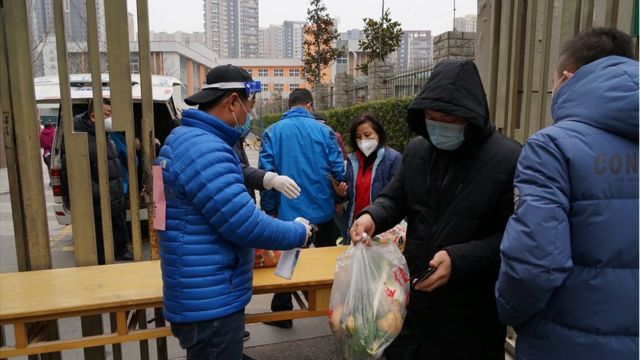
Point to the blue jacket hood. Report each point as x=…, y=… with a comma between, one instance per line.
x=202, y=120
x=597, y=95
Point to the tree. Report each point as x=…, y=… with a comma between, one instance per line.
x=77, y=49
x=381, y=38
x=319, y=36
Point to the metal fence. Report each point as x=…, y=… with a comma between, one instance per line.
x=325, y=99
x=359, y=93
x=408, y=83
x=20, y=139
x=275, y=104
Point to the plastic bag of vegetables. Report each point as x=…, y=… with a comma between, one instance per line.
x=368, y=299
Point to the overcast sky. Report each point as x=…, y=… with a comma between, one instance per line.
x=434, y=15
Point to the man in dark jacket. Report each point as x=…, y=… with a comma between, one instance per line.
x=85, y=122
x=455, y=189
x=569, y=276
x=318, y=116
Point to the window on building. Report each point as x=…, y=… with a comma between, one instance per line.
x=293, y=86
x=265, y=87
x=134, y=62
x=278, y=72
x=249, y=71
x=195, y=77
x=183, y=70
x=263, y=72
x=294, y=72
x=278, y=87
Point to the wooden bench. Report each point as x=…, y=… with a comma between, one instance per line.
x=33, y=296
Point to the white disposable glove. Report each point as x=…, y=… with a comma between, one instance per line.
x=281, y=183
x=307, y=226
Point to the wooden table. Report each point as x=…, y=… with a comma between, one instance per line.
x=27, y=297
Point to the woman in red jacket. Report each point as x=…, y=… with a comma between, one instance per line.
x=46, y=140
x=370, y=167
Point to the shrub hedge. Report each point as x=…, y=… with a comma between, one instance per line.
x=267, y=120
x=391, y=112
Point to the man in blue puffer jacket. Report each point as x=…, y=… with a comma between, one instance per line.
x=569, y=275
x=212, y=223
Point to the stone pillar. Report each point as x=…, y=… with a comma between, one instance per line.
x=454, y=45
x=342, y=83
x=320, y=96
x=377, y=86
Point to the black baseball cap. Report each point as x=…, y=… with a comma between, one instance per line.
x=219, y=81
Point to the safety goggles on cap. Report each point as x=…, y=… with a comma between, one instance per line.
x=251, y=88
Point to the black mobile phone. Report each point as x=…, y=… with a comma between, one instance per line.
x=424, y=275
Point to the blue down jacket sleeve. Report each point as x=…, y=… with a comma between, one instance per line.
x=215, y=185
x=536, y=247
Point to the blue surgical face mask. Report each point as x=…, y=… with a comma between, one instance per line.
x=445, y=136
x=243, y=130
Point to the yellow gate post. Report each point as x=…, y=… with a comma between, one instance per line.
x=21, y=137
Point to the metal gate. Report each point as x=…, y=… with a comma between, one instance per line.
x=20, y=129
x=518, y=44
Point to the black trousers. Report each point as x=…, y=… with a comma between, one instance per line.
x=326, y=235
x=410, y=345
x=212, y=339
x=47, y=161
x=118, y=229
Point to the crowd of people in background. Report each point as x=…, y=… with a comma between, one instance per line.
x=560, y=242
x=542, y=237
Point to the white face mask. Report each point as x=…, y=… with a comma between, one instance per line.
x=367, y=146
x=108, y=124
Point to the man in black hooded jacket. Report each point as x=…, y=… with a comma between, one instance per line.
x=85, y=122
x=455, y=188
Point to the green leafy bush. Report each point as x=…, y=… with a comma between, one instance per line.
x=257, y=127
x=391, y=112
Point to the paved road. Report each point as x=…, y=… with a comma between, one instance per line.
x=59, y=234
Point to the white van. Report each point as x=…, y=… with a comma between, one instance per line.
x=48, y=94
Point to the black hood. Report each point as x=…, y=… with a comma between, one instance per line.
x=454, y=88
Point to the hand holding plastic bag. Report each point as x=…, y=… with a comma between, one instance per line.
x=368, y=299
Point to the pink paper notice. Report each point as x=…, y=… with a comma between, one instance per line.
x=159, y=202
